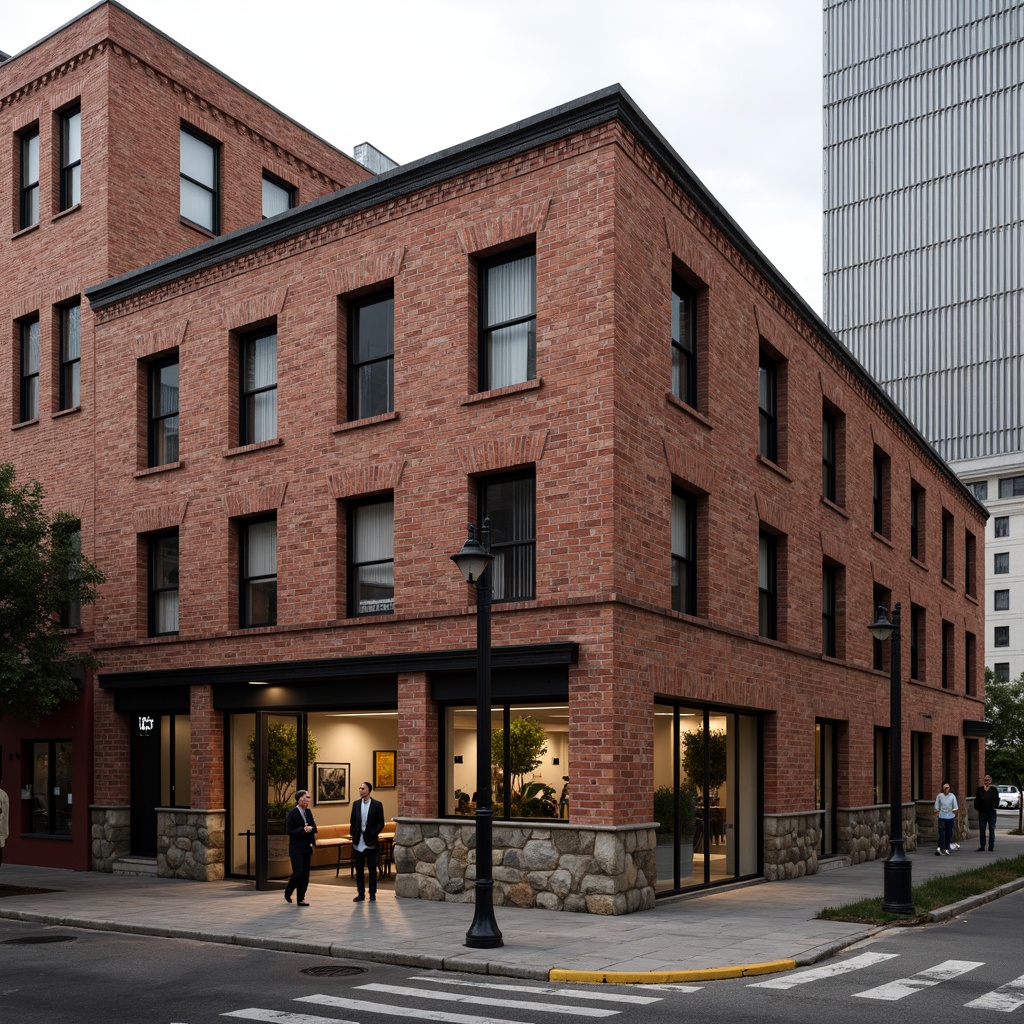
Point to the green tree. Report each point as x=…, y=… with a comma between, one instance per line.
x=42, y=573
x=282, y=764
x=693, y=758
x=1004, y=750
x=527, y=740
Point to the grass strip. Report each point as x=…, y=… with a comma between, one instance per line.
x=930, y=895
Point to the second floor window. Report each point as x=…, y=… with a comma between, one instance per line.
x=371, y=579
x=880, y=493
x=508, y=320
x=684, y=552
x=881, y=597
x=28, y=406
x=163, y=412
x=70, y=158
x=917, y=505
x=28, y=206
x=829, y=437
x=371, y=356
x=828, y=611
x=276, y=197
x=509, y=503
x=1001, y=563
x=257, y=604
x=70, y=355
x=684, y=342
x=947, y=546
x=199, y=186
x=258, y=413
x=163, y=584
x=1001, y=524
x=767, y=587
x=767, y=405
x=917, y=641
x=1001, y=636
x=1002, y=601
x=71, y=613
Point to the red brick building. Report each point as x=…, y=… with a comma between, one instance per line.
x=697, y=501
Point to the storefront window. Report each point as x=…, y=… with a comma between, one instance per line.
x=529, y=761
x=51, y=788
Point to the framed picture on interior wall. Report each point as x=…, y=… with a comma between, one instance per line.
x=384, y=769
x=331, y=782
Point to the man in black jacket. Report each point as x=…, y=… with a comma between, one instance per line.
x=301, y=829
x=986, y=800
x=367, y=825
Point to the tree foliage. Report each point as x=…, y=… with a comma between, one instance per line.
x=693, y=757
x=1004, y=750
x=282, y=764
x=527, y=740
x=42, y=572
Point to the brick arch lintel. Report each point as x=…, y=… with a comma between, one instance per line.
x=372, y=479
x=520, y=222
x=504, y=453
x=366, y=273
x=250, y=501
x=160, y=517
x=254, y=310
x=688, y=468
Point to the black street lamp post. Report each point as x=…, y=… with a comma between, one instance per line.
x=474, y=562
x=896, y=871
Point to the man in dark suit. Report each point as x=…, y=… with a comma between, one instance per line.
x=301, y=829
x=367, y=825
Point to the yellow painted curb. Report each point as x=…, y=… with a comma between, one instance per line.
x=667, y=977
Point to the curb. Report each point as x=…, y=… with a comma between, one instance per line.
x=945, y=913
x=667, y=977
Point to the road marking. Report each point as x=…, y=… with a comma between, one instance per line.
x=828, y=971
x=284, y=1017
x=924, y=979
x=1005, y=998
x=398, y=1011
x=572, y=993
x=463, y=997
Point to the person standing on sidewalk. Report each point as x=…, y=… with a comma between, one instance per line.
x=301, y=829
x=986, y=799
x=946, y=808
x=367, y=824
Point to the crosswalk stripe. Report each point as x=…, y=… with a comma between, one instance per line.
x=924, y=979
x=541, y=990
x=855, y=963
x=399, y=1011
x=1005, y=998
x=283, y=1017
x=463, y=997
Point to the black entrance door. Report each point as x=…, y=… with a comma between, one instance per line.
x=145, y=790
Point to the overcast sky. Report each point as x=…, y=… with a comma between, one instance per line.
x=733, y=85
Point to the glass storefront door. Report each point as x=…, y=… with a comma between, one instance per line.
x=825, y=783
x=706, y=795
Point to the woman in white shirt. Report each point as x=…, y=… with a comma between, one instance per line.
x=946, y=808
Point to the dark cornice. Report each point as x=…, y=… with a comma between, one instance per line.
x=378, y=665
x=611, y=103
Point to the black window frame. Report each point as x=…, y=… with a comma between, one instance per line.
x=768, y=406
x=1000, y=600
x=1011, y=486
x=248, y=396
x=28, y=186
x=158, y=581
x=979, y=489
x=881, y=495
x=1000, y=636
x=158, y=421
x=948, y=654
x=1001, y=526
x=355, y=567
x=360, y=406
x=71, y=613
x=970, y=661
x=288, y=190
x=487, y=328
x=684, y=563
x=214, y=146
x=246, y=581
x=28, y=377
x=59, y=786
x=970, y=570
x=917, y=513
x=507, y=546
x=829, y=455
x=70, y=167
x=70, y=396
x=881, y=597
x=829, y=609
x=768, y=586
x=948, y=559
x=1001, y=671
x=917, y=641
x=1000, y=563
x=685, y=350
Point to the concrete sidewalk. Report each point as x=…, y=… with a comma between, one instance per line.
x=758, y=928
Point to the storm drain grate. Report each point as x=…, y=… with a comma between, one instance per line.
x=332, y=972
x=37, y=940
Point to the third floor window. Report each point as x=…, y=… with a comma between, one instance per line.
x=199, y=185
x=509, y=503
x=70, y=355
x=28, y=207
x=684, y=342
x=371, y=356
x=508, y=320
x=767, y=405
x=163, y=412
x=277, y=197
x=28, y=406
x=70, y=158
x=258, y=412
x=684, y=552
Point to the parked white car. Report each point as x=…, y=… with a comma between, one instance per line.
x=1009, y=796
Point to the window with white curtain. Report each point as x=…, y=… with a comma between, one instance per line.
x=508, y=320
x=29, y=398
x=371, y=566
x=70, y=158
x=371, y=356
x=163, y=412
x=258, y=414
x=684, y=342
x=277, y=197
x=509, y=503
x=28, y=206
x=684, y=551
x=70, y=355
x=199, y=185
x=163, y=583
x=258, y=562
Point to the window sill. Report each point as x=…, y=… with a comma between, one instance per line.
x=838, y=509
x=919, y=563
x=696, y=414
x=45, y=835
x=24, y=423
x=368, y=617
x=512, y=389
x=197, y=227
x=973, y=598
x=948, y=583
x=369, y=421
x=25, y=231
x=65, y=412
x=152, y=470
x=888, y=543
x=246, y=448
x=64, y=213
x=774, y=467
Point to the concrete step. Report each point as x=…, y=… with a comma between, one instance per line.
x=140, y=867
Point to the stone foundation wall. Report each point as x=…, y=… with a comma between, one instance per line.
x=864, y=831
x=551, y=866
x=928, y=823
x=190, y=844
x=110, y=832
x=791, y=844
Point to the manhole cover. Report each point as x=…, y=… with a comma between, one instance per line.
x=37, y=940
x=332, y=972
